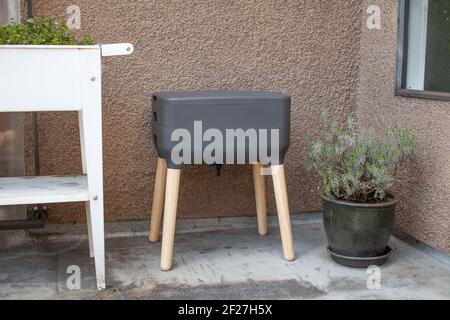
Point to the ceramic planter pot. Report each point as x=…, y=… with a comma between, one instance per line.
x=358, y=234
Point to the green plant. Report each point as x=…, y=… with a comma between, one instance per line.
x=39, y=31
x=357, y=166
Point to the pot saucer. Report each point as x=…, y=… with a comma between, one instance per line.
x=360, y=262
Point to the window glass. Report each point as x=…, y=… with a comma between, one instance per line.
x=437, y=66
x=427, y=45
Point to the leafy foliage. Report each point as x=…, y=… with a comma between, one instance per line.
x=357, y=166
x=39, y=31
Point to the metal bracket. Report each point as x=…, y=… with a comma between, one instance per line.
x=38, y=221
x=116, y=49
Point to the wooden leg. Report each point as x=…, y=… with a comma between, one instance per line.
x=94, y=169
x=83, y=162
x=170, y=217
x=279, y=184
x=89, y=226
x=98, y=241
x=158, y=199
x=91, y=118
x=260, y=196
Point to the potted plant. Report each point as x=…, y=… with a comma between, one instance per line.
x=358, y=169
x=40, y=57
x=40, y=31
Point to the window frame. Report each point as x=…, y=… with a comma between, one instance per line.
x=402, y=51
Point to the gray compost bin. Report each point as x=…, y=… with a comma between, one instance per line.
x=223, y=111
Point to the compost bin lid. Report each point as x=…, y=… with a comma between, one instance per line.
x=219, y=97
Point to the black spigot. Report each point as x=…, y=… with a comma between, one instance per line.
x=217, y=167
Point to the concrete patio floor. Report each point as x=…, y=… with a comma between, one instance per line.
x=213, y=259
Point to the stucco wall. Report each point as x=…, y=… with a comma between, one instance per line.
x=308, y=49
x=424, y=191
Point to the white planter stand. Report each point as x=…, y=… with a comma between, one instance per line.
x=61, y=78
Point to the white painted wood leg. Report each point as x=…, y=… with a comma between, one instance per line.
x=83, y=161
x=260, y=197
x=94, y=169
x=158, y=199
x=170, y=217
x=92, y=132
x=89, y=226
x=279, y=185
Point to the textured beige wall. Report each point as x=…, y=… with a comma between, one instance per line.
x=308, y=49
x=424, y=191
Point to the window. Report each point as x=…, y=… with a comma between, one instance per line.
x=423, y=68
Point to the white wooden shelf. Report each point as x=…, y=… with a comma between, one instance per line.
x=44, y=189
x=61, y=78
